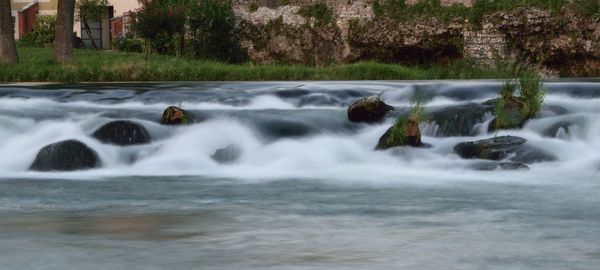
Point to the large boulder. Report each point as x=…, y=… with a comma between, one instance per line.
x=69, y=155
x=402, y=133
x=460, y=120
x=368, y=110
x=227, y=155
x=122, y=132
x=174, y=115
x=510, y=148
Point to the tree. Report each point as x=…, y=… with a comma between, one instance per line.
x=63, y=39
x=90, y=10
x=8, y=48
x=157, y=24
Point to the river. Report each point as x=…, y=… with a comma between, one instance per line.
x=307, y=192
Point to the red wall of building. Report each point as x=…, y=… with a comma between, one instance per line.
x=27, y=19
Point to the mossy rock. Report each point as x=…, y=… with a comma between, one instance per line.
x=368, y=110
x=512, y=117
x=174, y=115
x=403, y=133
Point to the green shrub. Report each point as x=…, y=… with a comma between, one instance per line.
x=123, y=44
x=213, y=31
x=320, y=12
x=532, y=93
x=42, y=34
x=159, y=25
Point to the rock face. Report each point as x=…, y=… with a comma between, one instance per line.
x=69, y=155
x=509, y=148
x=368, y=110
x=565, y=42
x=122, y=133
x=174, y=115
x=227, y=155
x=403, y=133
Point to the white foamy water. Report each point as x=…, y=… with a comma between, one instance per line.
x=308, y=190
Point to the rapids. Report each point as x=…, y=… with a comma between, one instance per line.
x=308, y=191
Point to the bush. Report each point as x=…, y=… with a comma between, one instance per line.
x=123, y=44
x=158, y=25
x=42, y=34
x=213, y=31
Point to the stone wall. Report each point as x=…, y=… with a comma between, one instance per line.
x=486, y=46
x=276, y=33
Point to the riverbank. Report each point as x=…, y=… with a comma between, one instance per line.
x=37, y=65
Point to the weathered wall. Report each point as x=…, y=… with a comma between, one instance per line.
x=568, y=43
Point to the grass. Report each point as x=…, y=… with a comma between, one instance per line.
x=37, y=65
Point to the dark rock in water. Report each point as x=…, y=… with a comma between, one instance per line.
x=508, y=166
x=403, y=133
x=174, y=116
x=67, y=155
x=227, y=155
x=460, y=120
x=500, y=148
x=368, y=110
x=122, y=133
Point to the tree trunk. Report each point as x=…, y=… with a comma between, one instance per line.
x=63, y=39
x=8, y=49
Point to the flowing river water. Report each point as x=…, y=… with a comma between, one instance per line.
x=307, y=192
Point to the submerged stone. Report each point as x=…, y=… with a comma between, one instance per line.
x=491, y=166
x=509, y=148
x=69, y=155
x=368, y=110
x=122, y=132
x=227, y=155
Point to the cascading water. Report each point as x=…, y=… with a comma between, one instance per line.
x=304, y=172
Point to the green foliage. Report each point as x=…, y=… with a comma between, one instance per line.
x=399, y=10
x=42, y=34
x=158, y=24
x=397, y=134
x=320, y=12
x=501, y=120
x=508, y=90
x=37, y=64
x=532, y=93
x=213, y=31
x=90, y=10
x=123, y=44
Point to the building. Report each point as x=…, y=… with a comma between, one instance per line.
x=25, y=13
